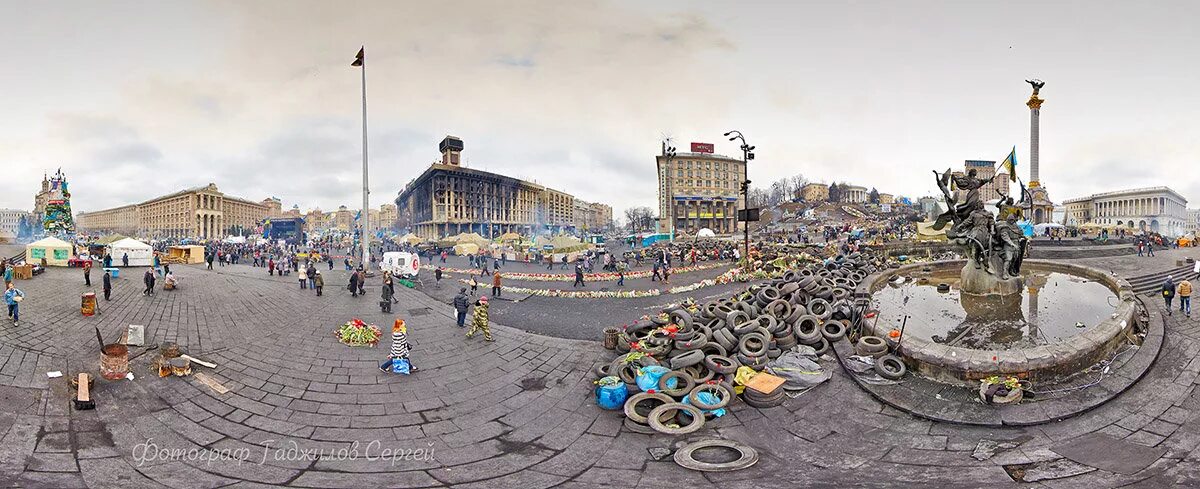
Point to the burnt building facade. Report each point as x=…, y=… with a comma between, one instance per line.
x=449, y=198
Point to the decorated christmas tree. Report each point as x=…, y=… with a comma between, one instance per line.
x=58, y=220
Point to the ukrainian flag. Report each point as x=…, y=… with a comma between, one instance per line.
x=1010, y=165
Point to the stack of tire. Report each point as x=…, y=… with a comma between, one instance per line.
x=887, y=365
x=708, y=342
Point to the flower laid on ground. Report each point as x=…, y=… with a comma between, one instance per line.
x=589, y=277
x=358, y=333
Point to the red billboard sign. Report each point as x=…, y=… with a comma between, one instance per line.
x=702, y=147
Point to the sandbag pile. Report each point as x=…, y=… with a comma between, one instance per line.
x=701, y=346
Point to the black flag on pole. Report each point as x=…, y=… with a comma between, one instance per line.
x=358, y=58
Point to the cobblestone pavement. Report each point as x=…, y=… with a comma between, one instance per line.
x=514, y=413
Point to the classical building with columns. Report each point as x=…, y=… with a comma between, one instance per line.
x=854, y=194
x=199, y=212
x=1153, y=209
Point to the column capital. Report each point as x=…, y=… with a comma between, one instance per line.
x=1034, y=102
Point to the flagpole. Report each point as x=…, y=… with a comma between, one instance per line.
x=365, y=218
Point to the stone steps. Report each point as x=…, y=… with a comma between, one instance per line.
x=1149, y=283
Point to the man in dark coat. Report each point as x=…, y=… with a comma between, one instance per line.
x=354, y=284
x=461, y=303
x=107, y=284
x=148, y=279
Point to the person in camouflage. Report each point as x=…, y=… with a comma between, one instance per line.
x=479, y=320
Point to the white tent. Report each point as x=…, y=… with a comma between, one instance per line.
x=1041, y=228
x=55, y=251
x=140, y=254
x=706, y=233
x=235, y=240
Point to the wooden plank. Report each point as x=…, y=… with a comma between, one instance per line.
x=212, y=384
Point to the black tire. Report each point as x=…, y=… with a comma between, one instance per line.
x=635, y=427
x=682, y=318
x=745, y=345
x=823, y=347
x=684, y=456
x=786, y=342
x=690, y=358
x=744, y=328
x=890, y=367
x=696, y=415
x=870, y=346
x=603, y=370
x=756, y=363
x=820, y=308
x=767, y=321
x=807, y=329
x=683, y=383
x=774, y=353
x=783, y=331
x=719, y=390
x=735, y=318
x=720, y=364
x=833, y=330
x=713, y=348
x=694, y=344
x=631, y=405
x=723, y=340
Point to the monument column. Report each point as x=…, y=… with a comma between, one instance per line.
x=1035, y=111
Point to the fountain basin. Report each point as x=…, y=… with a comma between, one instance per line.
x=990, y=335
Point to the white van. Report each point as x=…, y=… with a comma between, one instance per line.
x=401, y=264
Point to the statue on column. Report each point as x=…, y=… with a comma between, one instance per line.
x=1037, y=85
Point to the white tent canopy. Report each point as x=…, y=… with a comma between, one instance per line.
x=140, y=254
x=235, y=240
x=55, y=251
x=706, y=233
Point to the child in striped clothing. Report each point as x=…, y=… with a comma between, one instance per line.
x=400, y=348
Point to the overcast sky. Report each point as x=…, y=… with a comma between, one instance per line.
x=139, y=99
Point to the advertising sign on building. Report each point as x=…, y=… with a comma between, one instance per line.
x=702, y=148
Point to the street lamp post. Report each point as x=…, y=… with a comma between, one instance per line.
x=669, y=153
x=747, y=155
x=360, y=60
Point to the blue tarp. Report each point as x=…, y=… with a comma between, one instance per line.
x=1026, y=228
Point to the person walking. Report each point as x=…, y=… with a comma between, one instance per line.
x=211, y=256
x=496, y=284
x=578, y=276
x=311, y=272
x=362, y=281
x=1149, y=248
x=1168, y=292
x=474, y=285
x=400, y=349
x=353, y=284
x=460, y=306
x=148, y=279
x=386, y=297
x=656, y=277
x=666, y=274
x=564, y=263
x=303, y=276
x=13, y=297
x=437, y=277
x=125, y=259
x=107, y=284
x=318, y=282
x=1184, y=291
x=479, y=320
x=271, y=266
x=1196, y=269
x=621, y=274
x=87, y=273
